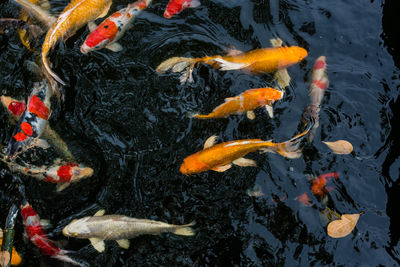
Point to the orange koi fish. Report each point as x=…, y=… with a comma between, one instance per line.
x=176, y=6
x=319, y=183
x=15, y=258
x=219, y=157
x=245, y=102
x=113, y=28
x=75, y=15
x=259, y=61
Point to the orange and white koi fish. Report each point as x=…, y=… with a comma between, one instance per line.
x=319, y=82
x=176, y=6
x=113, y=28
x=75, y=15
x=219, y=157
x=259, y=61
x=245, y=102
x=61, y=174
x=14, y=107
x=38, y=236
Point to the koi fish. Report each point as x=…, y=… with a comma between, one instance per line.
x=38, y=237
x=33, y=122
x=319, y=183
x=245, y=102
x=15, y=258
x=36, y=11
x=14, y=107
x=113, y=28
x=11, y=23
x=102, y=227
x=319, y=82
x=219, y=157
x=61, y=174
x=74, y=16
x=176, y=6
x=259, y=61
x=303, y=198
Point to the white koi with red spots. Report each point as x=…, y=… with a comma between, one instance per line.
x=113, y=28
x=33, y=121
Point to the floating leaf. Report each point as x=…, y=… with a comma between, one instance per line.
x=340, y=146
x=344, y=226
x=4, y=258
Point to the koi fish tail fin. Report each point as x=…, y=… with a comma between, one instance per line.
x=185, y=230
x=62, y=256
x=179, y=64
x=51, y=75
x=199, y=116
x=290, y=149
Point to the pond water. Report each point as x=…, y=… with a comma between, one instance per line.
x=131, y=125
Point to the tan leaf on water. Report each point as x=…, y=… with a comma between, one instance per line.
x=4, y=258
x=344, y=226
x=340, y=146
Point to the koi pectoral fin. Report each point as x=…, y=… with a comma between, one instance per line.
x=92, y=26
x=212, y=140
x=270, y=110
x=282, y=78
x=115, y=47
x=100, y=213
x=61, y=187
x=123, y=243
x=222, y=168
x=243, y=162
x=98, y=244
x=226, y=65
x=251, y=115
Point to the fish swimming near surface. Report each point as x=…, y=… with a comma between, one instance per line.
x=245, y=102
x=219, y=157
x=32, y=123
x=36, y=234
x=102, y=227
x=61, y=174
x=113, y=28
x=176, y=6
x=259, y=61
x=75, y=15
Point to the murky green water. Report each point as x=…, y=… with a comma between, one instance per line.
x=132, y=126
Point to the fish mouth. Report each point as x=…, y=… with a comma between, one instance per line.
x=167, y=15
x=85, y=49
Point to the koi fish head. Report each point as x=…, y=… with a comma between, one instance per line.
x=77, y=228
x=81, y=172
x=99, y=38
x=268, y=94
x=298, y=53
x=193, y=165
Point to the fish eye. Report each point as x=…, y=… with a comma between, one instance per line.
x=105, y=26
x=97, y=46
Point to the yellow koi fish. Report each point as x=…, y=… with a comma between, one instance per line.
x=259, y=61
x=245, y=102
x=75, y=15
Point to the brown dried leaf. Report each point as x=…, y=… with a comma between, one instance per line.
x=340, y=146
x=344, y=226
x=4, y=258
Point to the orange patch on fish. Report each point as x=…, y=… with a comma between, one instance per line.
x=20, y=137
x=27, y=128
x=37, y=107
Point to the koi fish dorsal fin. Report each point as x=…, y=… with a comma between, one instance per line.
x=230, y=98
x=276, y=42
x=123, y=243
x=98, y=244
x=270, y=110
x=250, y=115
x=212, y=140
x=99, y=213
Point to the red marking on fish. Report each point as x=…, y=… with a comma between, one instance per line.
x=72, y=164
x=27, y=128
x=142, y=5
x=176, y=6
x=27, y=212
x=65, y=173
x=37, y=107
x=318, y=185
x=20, y=137
x=106, y=30
x=50, y=179
x=303, y=198
x=16, y=107
x=320, y=64
x=321, y=85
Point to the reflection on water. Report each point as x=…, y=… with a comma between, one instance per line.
x=132, y=126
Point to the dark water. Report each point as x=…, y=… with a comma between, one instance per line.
x=131, y=126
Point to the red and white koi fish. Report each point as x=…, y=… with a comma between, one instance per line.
x=75, y=15
x=319, y=82
x=14, y=107
x=113, y=28
x=38, y=237
x=33, y=121
x=176, y=6
x=61, y=174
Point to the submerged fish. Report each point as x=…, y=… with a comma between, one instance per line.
x=319, y=184
x=75, y=15
x=219, y=157
x=259, y=61
x=38, y=237
x=245, y=102
x=176, y=6
x=113, y=28
x=102, y=227
x=61, y=174
x=33, y=122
